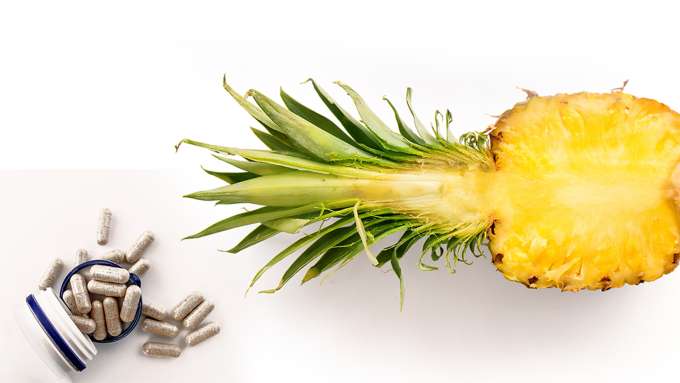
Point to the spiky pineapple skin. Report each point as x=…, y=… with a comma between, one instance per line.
x=582, y=191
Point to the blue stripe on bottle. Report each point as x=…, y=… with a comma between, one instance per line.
x=54, y=335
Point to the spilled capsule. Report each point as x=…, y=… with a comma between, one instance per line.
x=137, y=249
x=51, y=274
x=104, y=226
x=159, y=328
x=161, y=350
x=205, y=332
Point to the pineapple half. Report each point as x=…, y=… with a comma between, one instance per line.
x=571, y=191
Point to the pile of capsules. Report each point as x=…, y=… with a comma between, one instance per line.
x=103, y=303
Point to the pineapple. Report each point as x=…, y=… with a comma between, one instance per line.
x=574, y=191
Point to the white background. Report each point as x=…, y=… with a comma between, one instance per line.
x=113, y=86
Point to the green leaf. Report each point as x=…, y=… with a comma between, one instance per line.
x=298, y=163
x=355, y=128
x=314, y=117
x=253, y=110
x=289, y=189
x=319, y=142
x=259, y=234
x=420, y=128
x=403, y=127
x=231, y=177
x=407, y=240
x=265, y=214
x=396, y=267
x=272, y=142
x=258, y=168
x=297, y=245
x=351, y=247
x=314, y=251
x=287, y=225
x=390, y=139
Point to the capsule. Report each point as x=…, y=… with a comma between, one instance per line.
x=113, y=326
x=187, y=304
x=206, y=331
x=197, y=316
x=70, y=301
x=137, y=249
x=97, y=314
x=140, y=267
x=129, y=307
x=110, y=274
x=51, y=274
x=106, y=288
x=154, y=311
x=104, y=226
x=116, y=256
x=80, y=294
x=161, y=350
x=81, y=256
x=85, y=325
x=159, y=328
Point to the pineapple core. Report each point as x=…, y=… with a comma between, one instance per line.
x=581, y=194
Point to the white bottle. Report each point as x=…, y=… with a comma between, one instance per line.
x=44, y=320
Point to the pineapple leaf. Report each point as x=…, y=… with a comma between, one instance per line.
x=319, y=142
x=396, y=267
x=287, y=225
x=388, y=138
x=315, y=118
x=355, y=129
x=263, y=214
x=272, y=142
x=258, y=168
x=422, y=131
x=403, y=127
x=231, y=177
x=259, y=234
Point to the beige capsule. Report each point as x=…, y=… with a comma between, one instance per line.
x=109, y=274
x=81, y=256
x=187, y=304
x=159, y=328
x=70, y=301
x=161, y=350
x=80, y=294
x=106, y=288
x=140, y=267
x=51, y=274
x=97, y=314
x=104, y=226
x=197, y=316
x=116, y=256
x=85, y=325
x=205, y=332
x=128, y=308
x=137, y=249
x=154, y=311
x=113, y=326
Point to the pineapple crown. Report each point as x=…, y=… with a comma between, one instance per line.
x=308, y=151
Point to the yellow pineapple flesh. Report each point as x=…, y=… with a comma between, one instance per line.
x=582, y=191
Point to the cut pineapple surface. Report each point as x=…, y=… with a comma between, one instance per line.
x=582, y=191
x=570, y=191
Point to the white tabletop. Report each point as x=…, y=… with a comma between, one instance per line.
x=469, y=326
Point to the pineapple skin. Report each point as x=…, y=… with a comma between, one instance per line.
x=582, y=191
